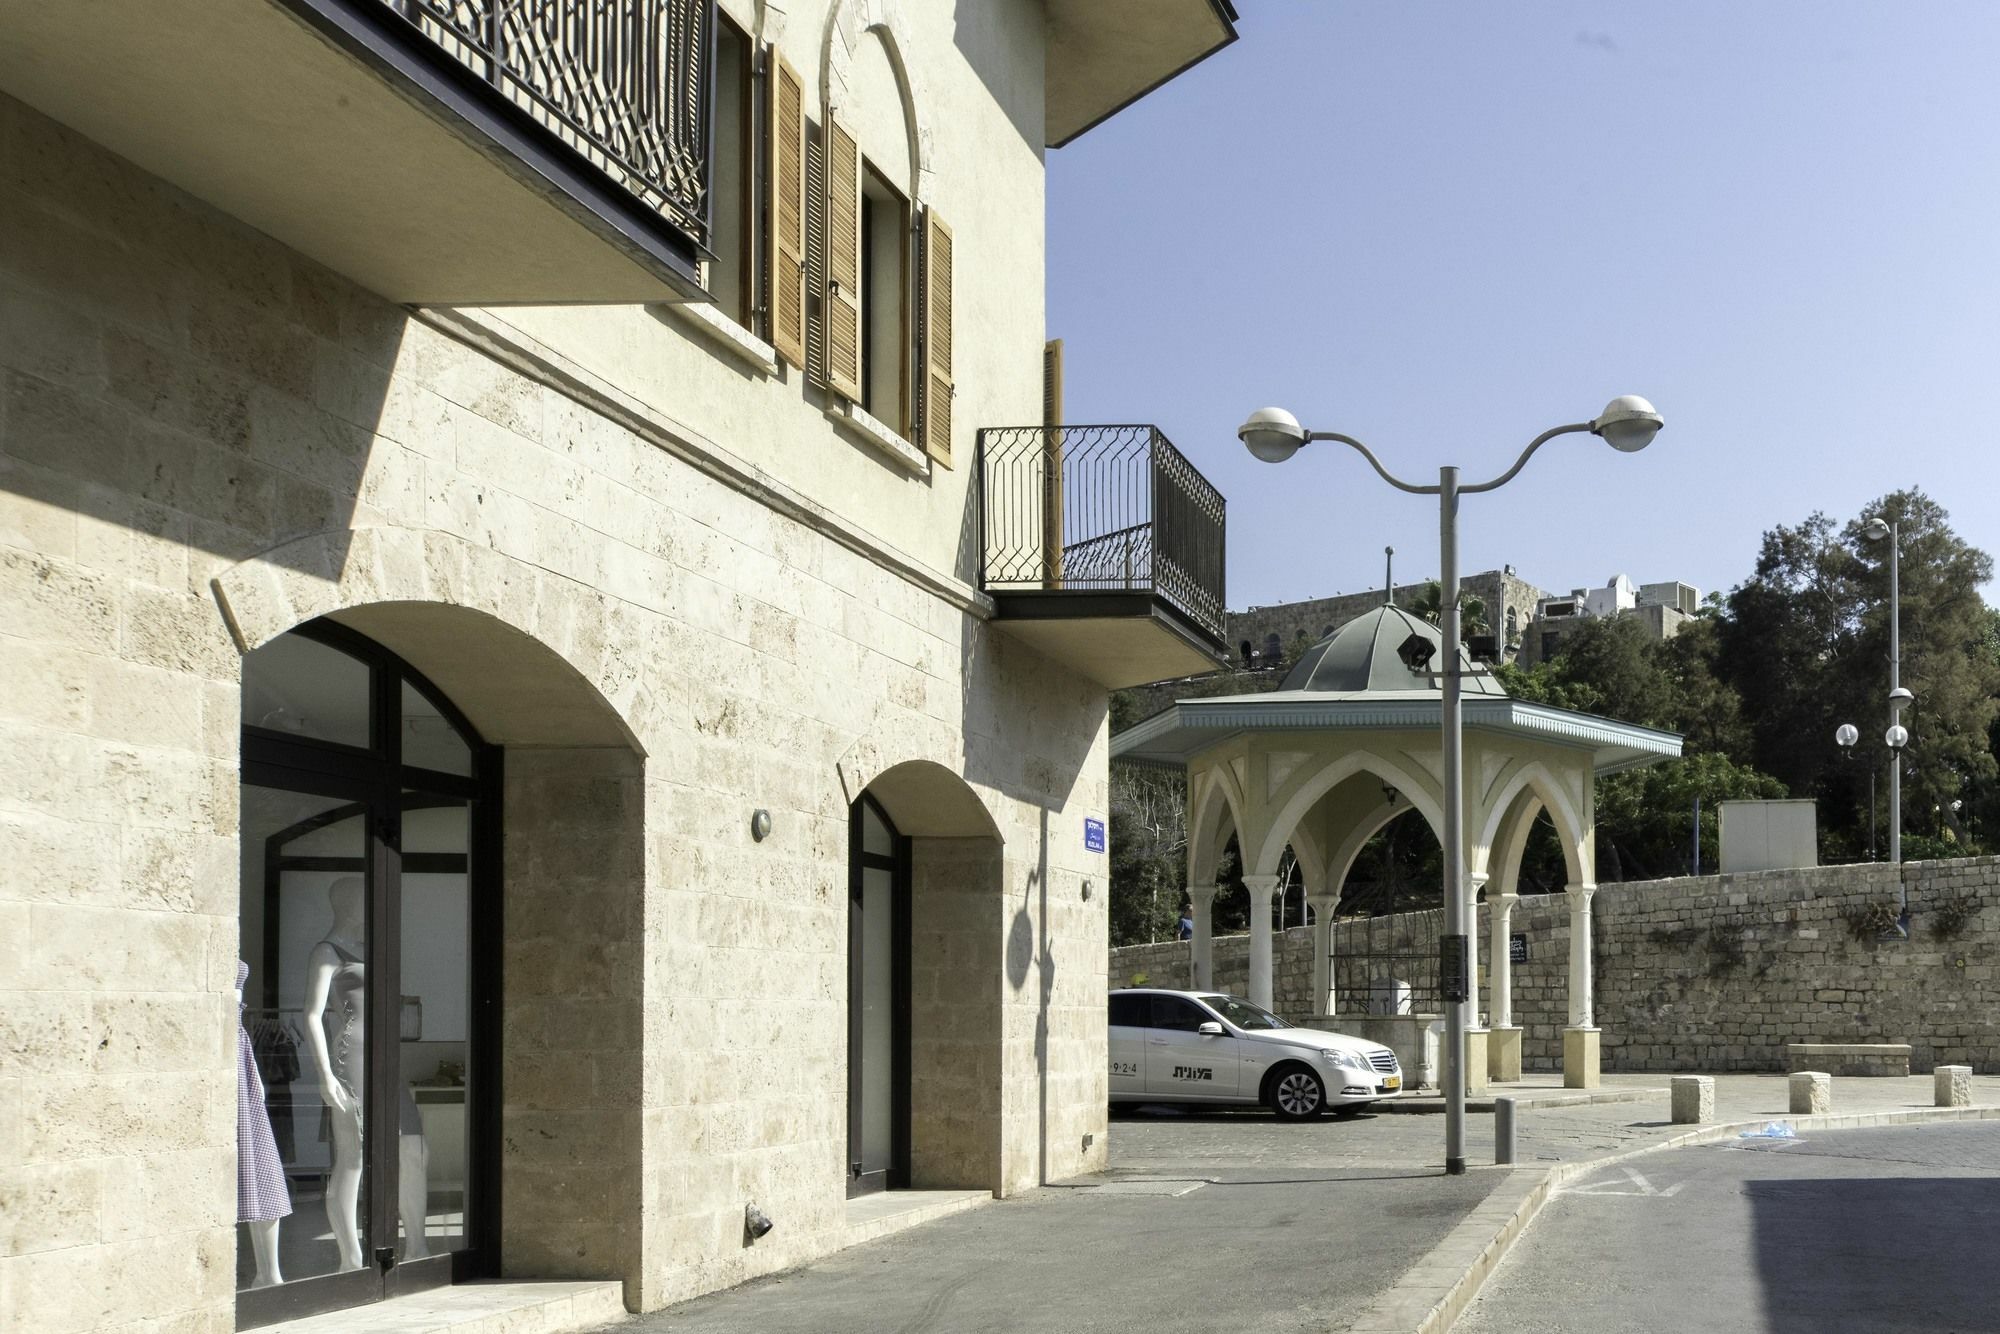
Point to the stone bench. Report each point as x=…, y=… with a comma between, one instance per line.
x=1853, y=1059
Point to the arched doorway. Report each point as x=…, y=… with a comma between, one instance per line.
x=369, y=968
x=927, y=975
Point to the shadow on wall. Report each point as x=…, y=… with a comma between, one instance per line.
x=1910, y=1251
x=203, y=385
x=991, y=40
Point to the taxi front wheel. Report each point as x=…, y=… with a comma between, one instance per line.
x=1297, y=1093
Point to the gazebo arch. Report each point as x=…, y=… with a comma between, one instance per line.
x=1533, y=776
x=1362, y=702
x=1421, y=791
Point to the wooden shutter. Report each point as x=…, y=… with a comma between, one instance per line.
x=842, y=304
x=785, y=237
x=935, y=372
x=1052, y=387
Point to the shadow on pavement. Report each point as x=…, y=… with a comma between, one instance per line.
x=1903, y=1253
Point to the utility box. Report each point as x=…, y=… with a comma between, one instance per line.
x=1768, y=835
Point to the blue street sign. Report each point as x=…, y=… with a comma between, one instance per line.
x=1093, y=835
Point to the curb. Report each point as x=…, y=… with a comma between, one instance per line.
x=1436, y=1290
x=1429, y=1105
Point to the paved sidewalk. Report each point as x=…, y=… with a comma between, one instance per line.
x=1235, y=1220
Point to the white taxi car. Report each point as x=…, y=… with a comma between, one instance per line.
x=1206, y=1047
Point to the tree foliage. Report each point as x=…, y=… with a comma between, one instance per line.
x=1755, y=684
x=1806, y=642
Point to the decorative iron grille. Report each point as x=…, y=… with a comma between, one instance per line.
x=1388, y=965
x=1100, y=509
x=622, y=82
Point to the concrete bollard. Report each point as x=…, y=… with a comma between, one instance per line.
x=1693, y=1099
x=1503, y=1130
x=1812, y=1093
x=1954, y=1085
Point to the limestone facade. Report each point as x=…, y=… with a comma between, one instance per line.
x=663, y=578
x=1712, y=974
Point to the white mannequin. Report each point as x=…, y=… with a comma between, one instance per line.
x=263, y=1233
x=336, y=960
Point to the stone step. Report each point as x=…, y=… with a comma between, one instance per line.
x=498, y=1307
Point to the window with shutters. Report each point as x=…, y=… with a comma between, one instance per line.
x=730, y=276
x=885, y=312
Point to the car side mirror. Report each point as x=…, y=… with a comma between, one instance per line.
x=1211, y=1029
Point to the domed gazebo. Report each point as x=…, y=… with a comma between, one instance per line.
x=1317, y=765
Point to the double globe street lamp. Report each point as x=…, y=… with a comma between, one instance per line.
x=1627, y=424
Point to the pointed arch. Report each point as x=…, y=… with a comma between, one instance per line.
x=1342, y=862
x=1571, y=830
x=1511, y=843
x=1419, y=793
x=1215, y=805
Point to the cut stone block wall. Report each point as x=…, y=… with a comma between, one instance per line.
x=1716, y=973
x=206, y=440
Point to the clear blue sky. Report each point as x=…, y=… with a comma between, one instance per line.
x=1442, y=228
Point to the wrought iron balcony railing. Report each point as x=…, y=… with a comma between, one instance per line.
x=1100, y=509
x=621, y=82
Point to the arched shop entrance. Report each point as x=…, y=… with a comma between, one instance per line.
x=370, y=922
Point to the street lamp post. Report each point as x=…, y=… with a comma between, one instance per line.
x=1627, y=424
x=1897, y=736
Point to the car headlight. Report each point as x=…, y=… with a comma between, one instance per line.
x=1348, y=1059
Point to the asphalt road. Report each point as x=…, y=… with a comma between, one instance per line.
x=1245, y=1250
x=1836, y=1233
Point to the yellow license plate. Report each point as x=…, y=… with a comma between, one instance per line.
x=1393, y=1082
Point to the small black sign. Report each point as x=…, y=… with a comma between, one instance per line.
x=1452, y=982
x=1517, y=947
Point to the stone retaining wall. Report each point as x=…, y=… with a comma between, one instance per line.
x=1717, y=973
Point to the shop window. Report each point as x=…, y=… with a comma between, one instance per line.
x=306, y=689
x=365, y=1144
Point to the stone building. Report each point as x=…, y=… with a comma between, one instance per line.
x=534, y=556
x=1288, y=627
x=1662, y=608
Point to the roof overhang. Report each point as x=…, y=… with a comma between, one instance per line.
x=1104, y=55
x=1175, y=735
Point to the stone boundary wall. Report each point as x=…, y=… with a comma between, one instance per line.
x=1718, y=973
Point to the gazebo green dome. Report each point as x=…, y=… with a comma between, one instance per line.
x=1365, y=656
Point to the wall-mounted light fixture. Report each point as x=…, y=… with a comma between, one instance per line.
x=760, y=824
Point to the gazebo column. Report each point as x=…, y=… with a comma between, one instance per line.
x=1323, y=903
x=1476, y=1050
x=1261, y=888
x=1203, y=899
x=1580, y=1049
x=1503, y=1041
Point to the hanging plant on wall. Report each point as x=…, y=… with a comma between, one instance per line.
x=1870, y=921
x=1950, y=917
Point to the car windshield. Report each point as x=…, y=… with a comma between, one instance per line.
x=1242, y=1013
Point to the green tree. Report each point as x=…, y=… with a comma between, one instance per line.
x=1148, y=852
x=1805, y=644
x=1429, y=604
x=1645, y=818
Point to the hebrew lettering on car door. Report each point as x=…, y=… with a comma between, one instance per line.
x=1181, y=1061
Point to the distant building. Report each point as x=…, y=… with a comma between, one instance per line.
x=1528, y=622
x=1663, y=608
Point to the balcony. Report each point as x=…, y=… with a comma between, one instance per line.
x=438, y=152
x=1103, y=547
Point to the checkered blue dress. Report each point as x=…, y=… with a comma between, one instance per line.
x=260, y=1174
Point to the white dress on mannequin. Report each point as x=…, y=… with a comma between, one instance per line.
x=337, y=999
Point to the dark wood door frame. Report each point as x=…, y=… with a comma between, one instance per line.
x=896, y=1174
